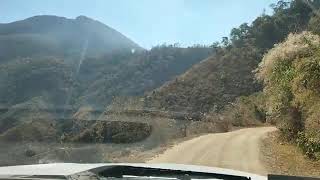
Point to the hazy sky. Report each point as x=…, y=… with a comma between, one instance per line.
x=149, y=22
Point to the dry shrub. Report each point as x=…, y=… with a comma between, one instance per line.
x=246, y=111
x=41, y=130
x=291, y=76
x=114, y=132
x=290, y=124
x=312, y=123
x=216, y=122
x=295, y=46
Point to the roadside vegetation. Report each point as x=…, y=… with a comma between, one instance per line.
x=246, y=111
x=291, y=76
x=285, y=158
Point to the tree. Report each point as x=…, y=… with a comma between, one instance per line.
x=225, y=41
x=238, y=35
x=280, y=5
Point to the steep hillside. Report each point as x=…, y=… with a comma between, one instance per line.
x=60, y=37
x=130, y=74
x=218, y=80
x=23, y=79
x=38, y=50
x=213, y=83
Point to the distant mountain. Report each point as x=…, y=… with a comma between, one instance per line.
x=36, y=62
x=60, y=37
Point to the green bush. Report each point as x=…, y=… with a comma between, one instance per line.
x=310, y=146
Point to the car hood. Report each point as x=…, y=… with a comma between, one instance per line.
x=66, y=169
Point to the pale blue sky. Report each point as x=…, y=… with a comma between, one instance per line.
x=149, y=22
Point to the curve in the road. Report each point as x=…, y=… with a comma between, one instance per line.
x=237, y=150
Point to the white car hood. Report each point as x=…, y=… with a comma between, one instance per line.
x=66, y=169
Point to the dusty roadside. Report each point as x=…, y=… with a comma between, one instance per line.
x=284, y=158
x=147, y=155
x=143, y=156
x=238, y=150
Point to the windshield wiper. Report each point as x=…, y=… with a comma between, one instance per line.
x=124, y=171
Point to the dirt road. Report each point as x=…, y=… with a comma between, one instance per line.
x=237, y=150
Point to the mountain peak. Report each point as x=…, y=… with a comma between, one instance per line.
x=64, y=36
x=83, y=18
x=45, y=18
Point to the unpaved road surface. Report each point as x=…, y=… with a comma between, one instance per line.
x=238, y=150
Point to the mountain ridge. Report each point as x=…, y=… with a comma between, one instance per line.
x=60, y=36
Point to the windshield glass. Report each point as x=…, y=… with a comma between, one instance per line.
x=229, y=84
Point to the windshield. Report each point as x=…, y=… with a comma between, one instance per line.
x=231, y=84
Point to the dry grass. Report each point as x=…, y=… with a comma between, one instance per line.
x=285, y=158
